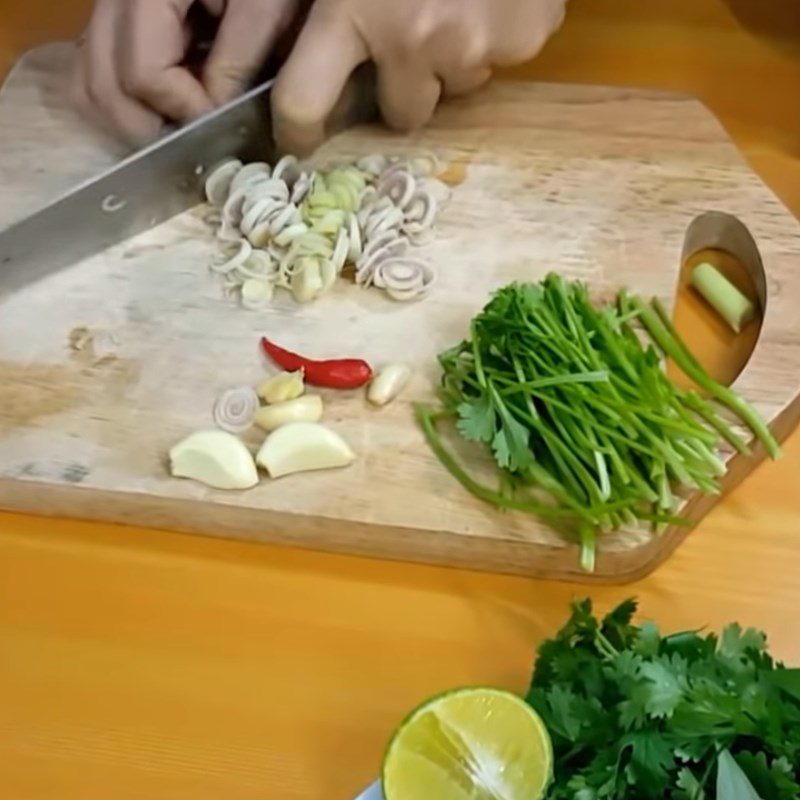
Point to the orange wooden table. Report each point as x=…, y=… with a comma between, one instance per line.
x=138, y=664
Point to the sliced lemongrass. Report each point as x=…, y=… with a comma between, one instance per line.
x=398, y=186
x=281, y=387
x=353, y=239
x=267, y=187
x=257, y=213
x=340, y=251
x=388, y=383
x=255, y=170
x=301, y=188
x=328, y=274
x=425, y=164
x=421, y=209
x=306, y=280
x=282, y=218
x=290, y=233
x=256, y=293
x=307, y=408
x=373, y=164
x=234, y=408
x=215, y=458
x=303, y=447
x=241, y=255
x=232, y=210
x=218, y=183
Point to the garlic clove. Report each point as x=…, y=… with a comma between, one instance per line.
x=303, y=447
x=215, y=458
x=307, y=408
x=388, y=383
x=281, y=387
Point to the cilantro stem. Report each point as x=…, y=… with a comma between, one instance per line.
x=673, y=347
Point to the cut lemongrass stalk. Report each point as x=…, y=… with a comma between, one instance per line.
x=733, y=306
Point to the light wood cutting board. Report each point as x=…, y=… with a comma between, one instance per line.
x=108, y=363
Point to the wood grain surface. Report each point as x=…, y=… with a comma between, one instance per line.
x=142, y=664
x=602, y=184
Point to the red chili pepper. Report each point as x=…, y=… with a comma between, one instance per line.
x=336, y=373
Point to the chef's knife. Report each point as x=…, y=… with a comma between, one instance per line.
x=154, y=184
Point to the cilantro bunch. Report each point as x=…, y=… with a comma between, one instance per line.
x=636, y=715
x=585, y=426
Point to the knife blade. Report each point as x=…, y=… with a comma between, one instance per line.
x=143, y=190
x=155, y=183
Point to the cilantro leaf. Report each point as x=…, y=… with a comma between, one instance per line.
x=667, y=685
x=477, y=420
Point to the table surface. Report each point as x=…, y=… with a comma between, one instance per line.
x=146, y=664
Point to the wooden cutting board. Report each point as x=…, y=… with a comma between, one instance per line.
x=105, y=365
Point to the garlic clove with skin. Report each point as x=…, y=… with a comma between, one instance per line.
x=388, y=383
x=215, y=458
x=303, y=447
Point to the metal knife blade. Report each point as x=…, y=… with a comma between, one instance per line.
x=156, y=183
x=140, y=192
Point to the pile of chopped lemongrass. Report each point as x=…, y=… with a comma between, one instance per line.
x=296, y=228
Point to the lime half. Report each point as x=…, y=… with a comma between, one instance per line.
x=469, y=744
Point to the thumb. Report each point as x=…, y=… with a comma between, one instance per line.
x=246, y=35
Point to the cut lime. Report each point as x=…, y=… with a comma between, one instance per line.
x=469, y=744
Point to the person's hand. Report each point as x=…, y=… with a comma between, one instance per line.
x=130, y=74
x=423, y=50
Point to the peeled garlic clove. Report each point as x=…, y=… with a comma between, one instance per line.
x=303, y=447
x=280, y=387
x=388, y=383
x=307, y=408
x=215, y=458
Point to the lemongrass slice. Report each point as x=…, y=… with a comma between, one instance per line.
x=340, y=251
x=234, y=409
x=260, y=266
x=398, y=186
x=242, y=254
x=268, y=187
x=373, y=164
x=354, y=248
x=421, y=209
x=287, y=169
x=257, y=213
x=215, y=458
x=425, y=164
x=302, y=186
x=403, y=278
x=218, y=183
x=256, y=293
x=282, y=218
x=290, y=233
x=232, y=210
x=306, y=280
x=255, y=170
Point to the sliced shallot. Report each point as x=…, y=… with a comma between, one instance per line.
x=234, y=409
